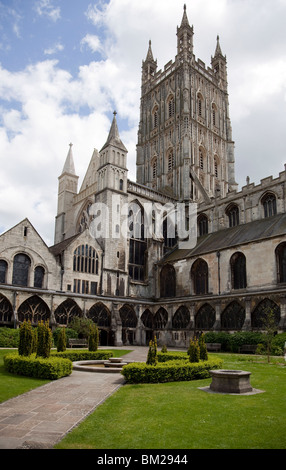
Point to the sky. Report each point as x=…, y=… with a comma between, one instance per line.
x=66, y=65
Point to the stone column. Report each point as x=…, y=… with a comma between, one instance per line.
x=116, y=324
x=247, y=321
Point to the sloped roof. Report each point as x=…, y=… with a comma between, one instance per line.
x=241, y=234
x=61, y=246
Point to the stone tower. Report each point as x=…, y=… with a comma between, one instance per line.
x=185, y=146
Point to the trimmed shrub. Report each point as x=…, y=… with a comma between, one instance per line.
x=37, y=367
x=194, y=351
x=171, y=371
x=62, y=342
x=203, y=348
x=44, y=343
x=152, y=357
x=26, y=339
x=9, y=337
x=221, y=337
x=69, y=332
x=93, y=338
x=83, y=355
x=172, y=356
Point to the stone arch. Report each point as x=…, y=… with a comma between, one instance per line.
x=100, y=314
x=181, y=319
x=200, y=277
x=233, y=316
x=160, y=319
x=280, y=254
x=129, y=323
x=205, y=317
x=34, y=309
x=66, y=311
x=6, y=310
x=259, y=314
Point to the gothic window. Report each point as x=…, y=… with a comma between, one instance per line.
x=205, y=318
x=201, y=157
x=170, y=160
x=199, y=275
x=85, y=260
x=269, y=204
x=154, y=168
x=160, y=319
x=155, y=117
x=66, y=311
x=281, y=262
x=214, y=114
x=21, y=270
x=168, y=281
x=34, y=309
x=216, y=167
x=200, y=102
x=147, y=319
x=100, y=314
x=202, y=224
x=238, y=271
x=6, y=310
x=121, y=184
x=39, y=275
x=259, y=315
x=233, y=215
x=171, y=106
x=169, y=232
x=181, y=318
x=137, y=243
x=128, y=317
x=233, y=316
x=3, y=271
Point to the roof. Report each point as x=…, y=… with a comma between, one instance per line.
x=257, y=230
x=61, y=246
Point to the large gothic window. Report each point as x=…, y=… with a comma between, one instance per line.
x=202, y=225
x=66, y=311
x=160, y=319
x=233, y=215
x=147, y=319
x=3, y=271
x=171, y=106
x=181, y=318
x=168, y=281
x=233, y=316
x=21, y=270
x=269, y=204
x=85, y=260
x=199, y=275
x=128, y=317
x=6, y=310
x=260, y=313
x=100, y=314
x=205, y=318
x=33, y=309
x=137, y=243
x=39, y=275
x=281, y=262
x=238, y=271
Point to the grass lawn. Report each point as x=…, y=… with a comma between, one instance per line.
x=178, y=415
x=12, y=385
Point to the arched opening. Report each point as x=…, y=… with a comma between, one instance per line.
x=205, y=318
x=168, y=281
x=34, y=309
x=160, y=319
x=199, y=276
x=238, y=271
x=181, y=318
x=259, y=316
x=268, y=202
x=100, y=315
x=129, y=323
x=21, y=270
x=233, y=316
x=66, y=311
x=6, y=311
x=3, y=271
x=280, y=253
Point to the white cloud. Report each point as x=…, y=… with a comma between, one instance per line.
x=93, y=42
x=58, y=47
x=46, y=8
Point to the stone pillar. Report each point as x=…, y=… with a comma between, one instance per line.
x=217, y=323
x=247, y=321
x=116, y=324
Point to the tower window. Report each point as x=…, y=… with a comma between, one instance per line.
x=269, y=205
x=233, y=215
x=171, y=106
x=170, y=161
x=238, y=271
x=85, y=260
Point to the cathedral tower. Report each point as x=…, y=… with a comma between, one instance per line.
x=185, y=146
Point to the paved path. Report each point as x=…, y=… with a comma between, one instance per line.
x=40, y=418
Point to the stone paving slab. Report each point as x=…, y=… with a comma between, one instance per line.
x=41, y=417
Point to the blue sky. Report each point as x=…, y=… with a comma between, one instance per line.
x=65, y=65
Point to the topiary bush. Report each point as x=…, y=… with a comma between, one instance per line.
x=171, y=371
x=152, y=357
x=37, y=367
x=62, y=341
x=44, y=343
x=26, y=339
x=9, y=337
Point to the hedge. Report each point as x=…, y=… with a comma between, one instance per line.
x=9, y=337
x=83, y=355
x=170, y=371
x=37, y=367
x=172, y=356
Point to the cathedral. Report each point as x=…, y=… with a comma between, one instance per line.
x=119, y=257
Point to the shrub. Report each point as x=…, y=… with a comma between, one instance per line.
x=69, y=332
x=203, y=348
x=26, y=339
x=93, y=338
x=152, y=357
x=38, y=367
x=62, y=342
x=172, y=356
x=44, y=343
x=171, y=371
x=83, y=355
x=164, y=348
x=221, y=337
x=9, y=337
x=194, y=351
x=246, y=337
x=81, y=326
x=279, y=342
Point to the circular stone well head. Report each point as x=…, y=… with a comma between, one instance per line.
x=230, y=381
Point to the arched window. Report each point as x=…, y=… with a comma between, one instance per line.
x=200, y=102
x=216, y=167
x=160, y=319
x=154, y=168
x=233, y=316
x=269, y=204
x=238, y=271
x=137, y=242
x=170, y=160
x=100, y=314
x=233, y=215
x=214, y=114
x=171, y=106
x=205, y=318
x=6, y=310
x=168, y=281
x=33, y=309
x=199, y=275
x=66, y=311
x=85, y=260
x=128, y=317
x=202, y=224
x=39, y=275
x=181, y=318
x=21, y=270
x=281, y=262
x=263, y=309
x=3, y=271
x=147, y=319
x=155, y=117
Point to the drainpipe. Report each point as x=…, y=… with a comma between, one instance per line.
x=218, y=270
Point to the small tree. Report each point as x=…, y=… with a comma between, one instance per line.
x=62, y=342
x=152, y=357
x=44, y=340
x=270, y=326
x=93, y=337
x=26, y=339
x=164, y=348
x=203, y=348
x=194, y=351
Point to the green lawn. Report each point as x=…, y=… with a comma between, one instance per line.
x=180, y=416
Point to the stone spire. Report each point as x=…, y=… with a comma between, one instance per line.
x=185, y=37
x=69, y=163
x=185, y=21
x=149, y=56
x=113, y=136
x=218, y=48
